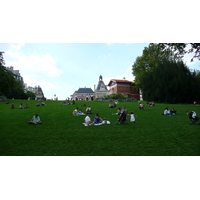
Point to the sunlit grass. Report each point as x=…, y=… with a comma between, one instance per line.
x=62, y=134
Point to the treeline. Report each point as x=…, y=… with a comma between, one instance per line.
x=162, y=76
x=10, y=86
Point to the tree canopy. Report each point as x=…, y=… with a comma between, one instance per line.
x=183, y=48
x=7, y=78
x=170, y=82
x=163, y=77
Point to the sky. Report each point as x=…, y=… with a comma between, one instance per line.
x=62, y=68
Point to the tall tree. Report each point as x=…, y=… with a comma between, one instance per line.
x=170, y=82
x=7, y=78
x=152, y=55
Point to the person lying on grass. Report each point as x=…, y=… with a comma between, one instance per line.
x=77, y=112
x=35, y=120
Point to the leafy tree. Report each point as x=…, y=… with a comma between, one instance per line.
x=150, y=59
x=170, y=82
x=30, y=94
x=180, y=48
x=7, y=78
x=18, y=91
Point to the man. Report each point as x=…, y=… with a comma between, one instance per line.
x=88, y=121
x=35, y=120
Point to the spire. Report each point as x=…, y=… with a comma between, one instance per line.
x=100, y=78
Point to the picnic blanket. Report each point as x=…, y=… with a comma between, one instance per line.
x=98, y=124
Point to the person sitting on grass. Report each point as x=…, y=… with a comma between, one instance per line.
x=89, y=109
x=12, y=106
x=97, y=119
x=173, y=111
x=26, y=106
x=43, y=104
x=35, y=120
x=88, y=121
x=166, y=111
x=21, y=106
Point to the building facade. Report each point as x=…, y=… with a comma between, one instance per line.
x=37, y=90
x=101, y=89
x=83, y=94
x=125, y=87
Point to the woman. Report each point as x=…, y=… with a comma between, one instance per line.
x=97, y=119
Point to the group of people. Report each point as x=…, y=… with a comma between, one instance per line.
x=150, y=103
x=20, y=106
x=42, y=104
x=77, y=112
x=169, y=112
x=67, y=102
x=112, y=105
x=97, y=120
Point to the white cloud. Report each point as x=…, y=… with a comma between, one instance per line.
x=44, y=65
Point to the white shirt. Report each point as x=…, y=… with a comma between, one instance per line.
x=87, y=119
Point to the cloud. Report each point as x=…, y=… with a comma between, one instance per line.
x=44, y=65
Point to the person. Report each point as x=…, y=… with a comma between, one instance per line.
x=141, y=106
x=104, y=121
x=88, y=121
x=132, y=119
x=111, y=105
x=12, y=106
x=88, y=109
x=166, y=111
x=77, y=112
x=97, y=119
x=118, y=111
x=35, y=120
x=43, y=104
x=26, y=106
x=21, y=106
x=173, y=111
x=38, y=104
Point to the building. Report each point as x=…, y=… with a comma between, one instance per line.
x=37, y=90
x=125, y=87
x=16, y=72
x=101, y=89
x=83, y=94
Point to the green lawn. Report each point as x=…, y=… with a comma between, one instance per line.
x=62, y=134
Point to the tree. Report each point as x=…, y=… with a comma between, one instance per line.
x=30, y=94
x=170, y=82
x=152, y=55
x=7, y=78
x=181, y=50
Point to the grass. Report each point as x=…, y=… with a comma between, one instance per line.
x=62, y=134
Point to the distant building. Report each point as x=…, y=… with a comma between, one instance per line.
x=125, y=87
x=16, y=72
x=101, y=89
x=83, y=94
x=37, y=90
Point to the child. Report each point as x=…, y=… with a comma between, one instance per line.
x=132, y=119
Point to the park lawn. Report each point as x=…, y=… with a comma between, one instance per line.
x=62, y=134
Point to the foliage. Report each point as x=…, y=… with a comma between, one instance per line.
x=7, y=78
x=152, y=55
x=170, y=82
x=62, y=134
x=30, y=94
x=183, y=48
